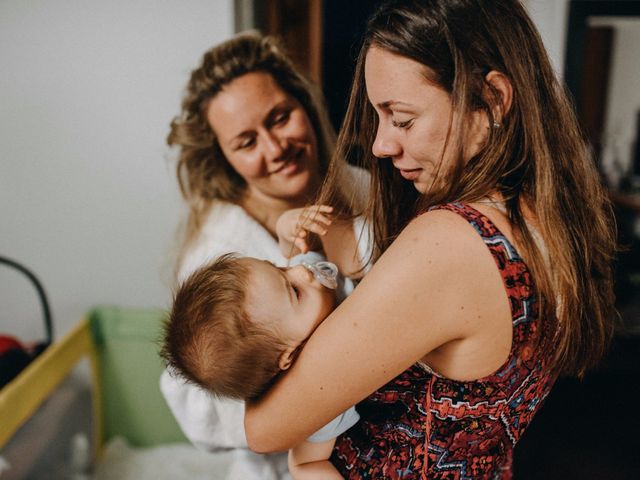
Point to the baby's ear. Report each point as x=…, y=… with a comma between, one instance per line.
x=287, y=357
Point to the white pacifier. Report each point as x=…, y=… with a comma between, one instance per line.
x=325, y=272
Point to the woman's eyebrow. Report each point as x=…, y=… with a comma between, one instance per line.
x=273, y=111
x=394, y=103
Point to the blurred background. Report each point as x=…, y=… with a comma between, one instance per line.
x=88, y=197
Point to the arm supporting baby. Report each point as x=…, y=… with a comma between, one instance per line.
x=308, y=461
x=407, y=306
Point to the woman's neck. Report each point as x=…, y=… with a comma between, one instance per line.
x=266, y=210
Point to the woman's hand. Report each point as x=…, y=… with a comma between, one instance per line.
x=294, y=225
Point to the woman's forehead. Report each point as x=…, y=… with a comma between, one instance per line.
x=393, y=79
x=244, y=102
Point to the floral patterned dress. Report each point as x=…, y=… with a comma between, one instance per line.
x=424, y=426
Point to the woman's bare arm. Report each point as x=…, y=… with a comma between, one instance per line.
x=310, y=461
x=408, y=305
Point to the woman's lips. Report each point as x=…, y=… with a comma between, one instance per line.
x=288, y=168
x=410, y=174
x=291, y=165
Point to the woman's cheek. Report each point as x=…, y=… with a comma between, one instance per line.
x=247, y=166
x=300, y=126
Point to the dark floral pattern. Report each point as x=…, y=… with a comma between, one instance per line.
x=424, y=426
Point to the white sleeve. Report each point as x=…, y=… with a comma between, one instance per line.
x=336, y=427
x=209, y=422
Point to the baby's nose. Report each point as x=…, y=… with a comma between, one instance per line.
x=302, y=273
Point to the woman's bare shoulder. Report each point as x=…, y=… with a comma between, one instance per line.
x=416, y=283
x=440, y=235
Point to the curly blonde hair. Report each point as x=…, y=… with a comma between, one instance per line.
x=204, y=174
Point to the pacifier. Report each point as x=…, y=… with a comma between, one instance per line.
x=326, y=273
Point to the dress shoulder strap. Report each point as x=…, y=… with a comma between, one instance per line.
x=515, y=274
x=491, y=234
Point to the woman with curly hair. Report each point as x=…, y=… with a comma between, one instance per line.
x=253, y=141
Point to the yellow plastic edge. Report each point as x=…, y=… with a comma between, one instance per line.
x=20, y=398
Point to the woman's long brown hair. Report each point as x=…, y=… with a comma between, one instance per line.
x=538, y=158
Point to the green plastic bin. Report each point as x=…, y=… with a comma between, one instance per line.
x=127, y=343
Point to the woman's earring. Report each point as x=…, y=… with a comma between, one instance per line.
x=496, y=125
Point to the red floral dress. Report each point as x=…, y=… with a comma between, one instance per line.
x=424, y=426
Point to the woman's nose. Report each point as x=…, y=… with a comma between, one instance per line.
x=384, y=145
x=273, y=146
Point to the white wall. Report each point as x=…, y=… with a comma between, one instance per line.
x=88, y=198
x=551, y=18
x=623, y=102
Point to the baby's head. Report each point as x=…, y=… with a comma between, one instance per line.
x=238, y=322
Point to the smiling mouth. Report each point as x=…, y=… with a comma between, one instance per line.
x=290, y=165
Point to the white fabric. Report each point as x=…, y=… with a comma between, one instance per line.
x=336, y=427
x=179, y=461
x=228, y=228
x=209, y=423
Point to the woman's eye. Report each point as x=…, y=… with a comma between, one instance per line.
x=248, y=143
x=296, y=291
x=405, y=124
x=281, y=118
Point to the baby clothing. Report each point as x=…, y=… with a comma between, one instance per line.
x=336, y=427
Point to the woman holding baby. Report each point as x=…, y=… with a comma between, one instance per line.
x=492, y=251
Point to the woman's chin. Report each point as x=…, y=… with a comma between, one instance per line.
x=299, y=187
x=424, y=182
x=421, y=187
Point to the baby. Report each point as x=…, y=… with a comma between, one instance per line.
x=238, y=322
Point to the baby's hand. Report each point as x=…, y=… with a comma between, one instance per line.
x=293, y=225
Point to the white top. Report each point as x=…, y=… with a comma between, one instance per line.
x=229, y=228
